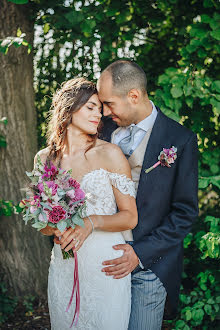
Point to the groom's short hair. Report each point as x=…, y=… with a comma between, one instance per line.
x=127, y=75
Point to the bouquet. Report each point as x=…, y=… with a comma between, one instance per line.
x=53, y=198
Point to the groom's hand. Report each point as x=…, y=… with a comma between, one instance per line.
x=124, y=265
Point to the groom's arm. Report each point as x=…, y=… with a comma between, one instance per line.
x=184, y=210
x=174, y=227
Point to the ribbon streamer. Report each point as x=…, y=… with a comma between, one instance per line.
x=75, y=288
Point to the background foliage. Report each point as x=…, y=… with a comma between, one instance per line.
x=177, y=44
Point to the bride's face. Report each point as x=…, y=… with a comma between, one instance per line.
x=88, y=117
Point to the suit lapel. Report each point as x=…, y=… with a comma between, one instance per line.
x=156, y=143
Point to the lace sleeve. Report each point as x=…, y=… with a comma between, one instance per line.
x=123, y=184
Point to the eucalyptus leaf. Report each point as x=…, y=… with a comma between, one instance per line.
x=77, y=220
x=46, y=206
x=39, y=225
x=61, y=225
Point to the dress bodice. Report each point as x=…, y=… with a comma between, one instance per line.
x=100, y=197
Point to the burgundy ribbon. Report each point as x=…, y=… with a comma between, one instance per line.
x=75, y=288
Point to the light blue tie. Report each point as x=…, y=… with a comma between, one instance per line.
x=126, y=143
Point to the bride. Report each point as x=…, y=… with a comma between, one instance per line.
x=104, y=174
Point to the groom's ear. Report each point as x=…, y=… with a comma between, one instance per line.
x=134, y=96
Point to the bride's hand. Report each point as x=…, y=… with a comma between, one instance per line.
x=74, y=238
x=49, y=231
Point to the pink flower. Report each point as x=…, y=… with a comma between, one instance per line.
x=37, y=200
x=74, y=183
x=71, y=193
x=166, y=157
x=56, y=214
x=50, y=172
x=50, y=184
x=79, y=194
x=33, y=209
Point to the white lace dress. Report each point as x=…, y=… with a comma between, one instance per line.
x=104, y=302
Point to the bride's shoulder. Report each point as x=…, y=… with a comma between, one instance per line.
x=43, y=153
x=108, y=149
x=113, y=158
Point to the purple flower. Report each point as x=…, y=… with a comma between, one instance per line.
x=50, y=184
x=50, y=172
x=167, y=156
x=79, y=194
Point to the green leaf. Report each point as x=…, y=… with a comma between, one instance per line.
x=74, y=17
x=215, y=34
x=216, y=86
x=198, y=31
x=44, y=215
x=163, y=79
x=88, y=26
x=77, y=220
x=202, y=53
x=3, y=142
x=171, y=71
x=180, y=324
x=197, y=314
x=205, y=18
x=61, y=225
x=18, y=2
x=207, y=3
x=39, y=225
x=112, y=11
x=210, y=301
x=176, y=92
x=214, y=168
x=46, y=206
x=188, y=315
x=46, y=28
x=189, y=102
x=188, y=90
x=208, y=309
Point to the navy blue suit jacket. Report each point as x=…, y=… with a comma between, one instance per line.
x=167, y=202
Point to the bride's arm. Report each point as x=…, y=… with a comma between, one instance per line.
x=125, y=218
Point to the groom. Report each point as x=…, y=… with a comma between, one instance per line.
x=166, y=196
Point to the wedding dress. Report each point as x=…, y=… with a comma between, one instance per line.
x=104, y=302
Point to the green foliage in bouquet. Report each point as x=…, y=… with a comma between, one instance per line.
x=39, y=206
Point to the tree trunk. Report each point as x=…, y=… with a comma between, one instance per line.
x=24, y=253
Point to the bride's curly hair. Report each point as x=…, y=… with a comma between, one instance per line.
x=72, y=95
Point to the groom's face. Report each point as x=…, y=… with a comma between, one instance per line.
x=116, y=106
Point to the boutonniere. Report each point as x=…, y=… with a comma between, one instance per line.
x=166, y=157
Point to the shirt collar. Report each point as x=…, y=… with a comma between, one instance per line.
x=147, y=122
